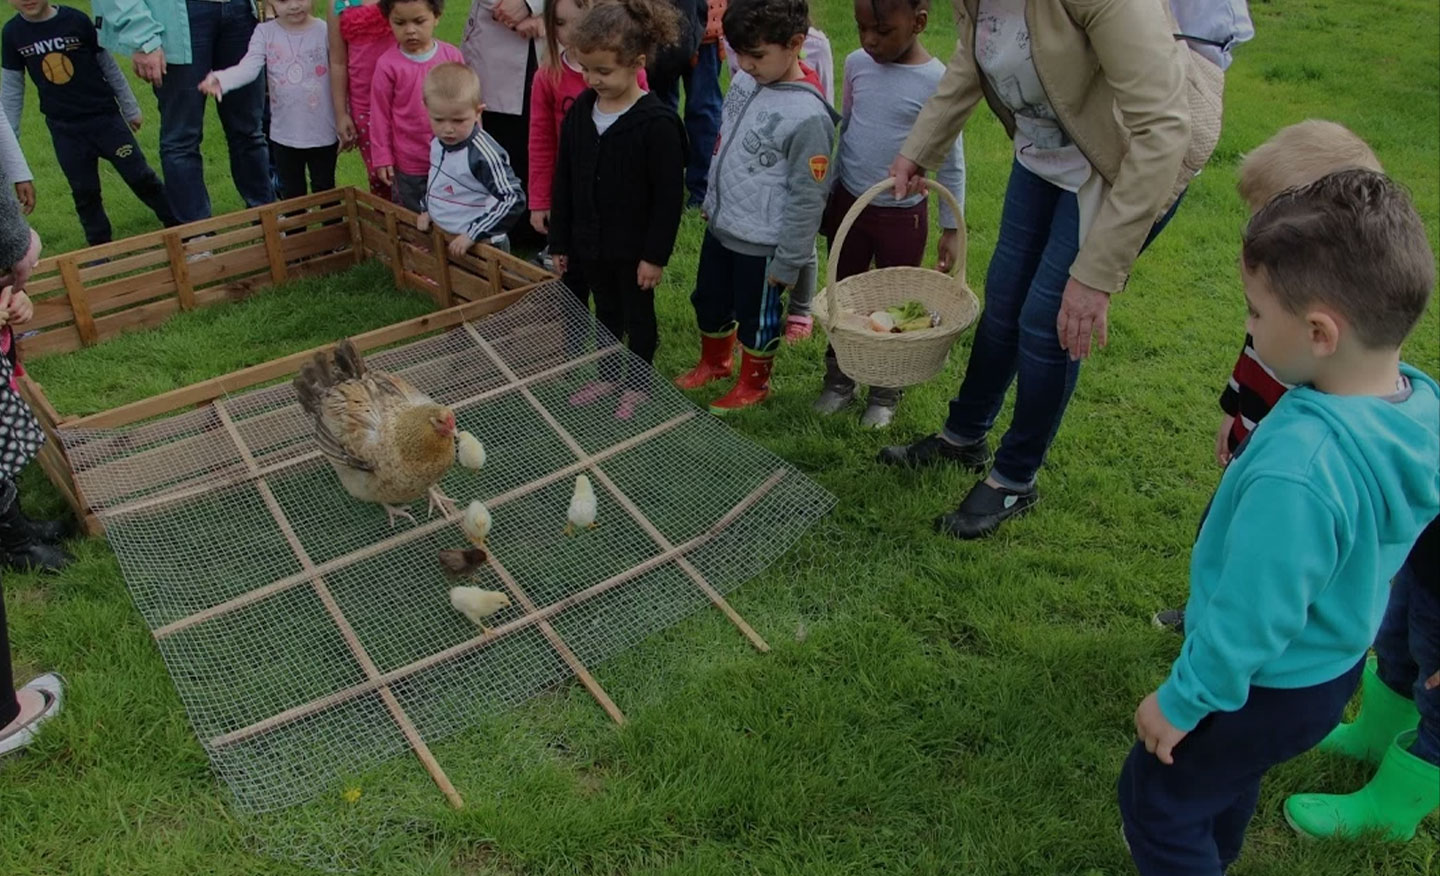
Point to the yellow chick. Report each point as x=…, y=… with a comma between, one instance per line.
x=477, y=604
x=582, y=506
x=469, y=451
x=476, y=523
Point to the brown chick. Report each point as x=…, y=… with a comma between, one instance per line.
x=388, y=441
x=462, y=563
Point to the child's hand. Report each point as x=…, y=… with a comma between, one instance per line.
x=648, y=275
x=136, y=122
x=1433, y=681
x=1156, y=731
x=776, y=283
x=540, y=221
x=949, y=249
x=345, y=130
x=460, y=244
x=210, y=85
x=25, y=194
x=422, y=221
x=1222, y=440
x=386, y=175
x=19, y=308
x=562, y=263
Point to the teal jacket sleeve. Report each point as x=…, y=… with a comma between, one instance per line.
x=1260, y=598
x=131, y=25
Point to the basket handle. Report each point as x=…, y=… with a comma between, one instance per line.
x=832, y=265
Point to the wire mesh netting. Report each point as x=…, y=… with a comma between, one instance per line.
x=306, y=636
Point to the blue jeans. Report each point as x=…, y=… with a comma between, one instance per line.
x=1016, y=339
x=1407, y=651
x=1189, y=818
x=219, y=36
x=702, y=114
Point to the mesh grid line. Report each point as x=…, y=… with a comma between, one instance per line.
x=309, y=641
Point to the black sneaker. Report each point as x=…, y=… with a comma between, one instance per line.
x=983, y=510
x=1172, y=619
x=933, y=448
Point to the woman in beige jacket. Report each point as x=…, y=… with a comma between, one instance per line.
x=1095, y=95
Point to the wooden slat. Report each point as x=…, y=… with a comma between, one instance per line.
x=330, y=213
x=397, y=259
x=61, y=340
x=217, y=242
x=84, y=322
x=181, y=271
x=145, y=316
x=378, y=244
x=208, y=390
x=51, y=311
x=94, y=275
x=443, y=294
x=465, y=286
x=307, y=244
x=273, y=251
x=228, y=266
x=352, y=215
x=130, y=291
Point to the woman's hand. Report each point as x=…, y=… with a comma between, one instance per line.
x=345, y=130
x=18, y=307
x=540, y=221
x=150, y=66
x=907, y=177
x=1083, y=316
x=532, y=28
x=647, y=276
x=511, y=12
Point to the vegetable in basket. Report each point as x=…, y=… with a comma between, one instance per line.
x=908, y=317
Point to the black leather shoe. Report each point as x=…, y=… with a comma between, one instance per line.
x=983, y=510
x=1172, y=619
x=933, y=448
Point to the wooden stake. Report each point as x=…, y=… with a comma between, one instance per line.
x=180, y=270
x=352, y=216
x=444, y=296
x=273, y=250
x=79, y=305
x=397, y=261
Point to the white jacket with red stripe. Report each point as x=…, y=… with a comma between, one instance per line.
x=472, y=189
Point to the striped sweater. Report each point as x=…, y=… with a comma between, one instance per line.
x=472, y=189
x=1252, y=391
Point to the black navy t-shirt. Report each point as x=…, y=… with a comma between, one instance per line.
x=61, y=55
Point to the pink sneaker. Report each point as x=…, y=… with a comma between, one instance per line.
x=630, y=399
x=591, y=392
x=798, y=328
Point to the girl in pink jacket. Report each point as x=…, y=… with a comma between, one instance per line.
x=557, y=83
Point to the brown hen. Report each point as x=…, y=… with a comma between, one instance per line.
x=389, y=442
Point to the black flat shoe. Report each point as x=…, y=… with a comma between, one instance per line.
x=1172, y=619
x=933, y=449
x=983, y=510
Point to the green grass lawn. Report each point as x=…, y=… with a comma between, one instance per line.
x=928, y=707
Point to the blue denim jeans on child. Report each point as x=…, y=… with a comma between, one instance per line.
x=1016, y=339
x=219, y=35
x=1407, y=651
x=703, y=101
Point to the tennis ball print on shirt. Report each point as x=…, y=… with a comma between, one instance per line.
x=61, y=56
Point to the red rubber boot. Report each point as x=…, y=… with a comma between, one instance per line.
x=716, y=361
x=752, y=387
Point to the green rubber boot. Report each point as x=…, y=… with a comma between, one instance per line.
x=1403, y=792
x=1383, y=713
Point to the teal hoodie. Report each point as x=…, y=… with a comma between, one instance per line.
x=1290, y=572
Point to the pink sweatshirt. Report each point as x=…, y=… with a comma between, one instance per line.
x=549, y=101
x=399, y=126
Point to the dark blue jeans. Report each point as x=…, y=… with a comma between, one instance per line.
x=80, y=143
x=1189, y=818
x=219, y=36
x=1016, y=339
x=1407, y=651
x=703, y=101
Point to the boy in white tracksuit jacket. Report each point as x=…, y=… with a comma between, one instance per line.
x=768, y=184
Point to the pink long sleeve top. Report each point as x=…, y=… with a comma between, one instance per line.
x=399, y=126
x=550, y=99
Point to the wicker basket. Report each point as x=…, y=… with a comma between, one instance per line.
x=896, y=359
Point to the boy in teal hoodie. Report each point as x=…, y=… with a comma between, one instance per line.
x=1316, y=512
